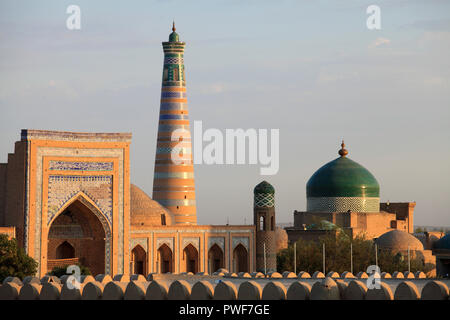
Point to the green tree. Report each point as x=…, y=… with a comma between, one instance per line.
x=14, y=261
x=62, y=270
x=337, y=256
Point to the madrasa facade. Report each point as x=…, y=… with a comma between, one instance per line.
x=67, y=198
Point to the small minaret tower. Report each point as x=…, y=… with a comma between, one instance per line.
x=264, y=220
x=173, y=182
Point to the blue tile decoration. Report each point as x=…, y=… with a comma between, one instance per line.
x=62, y=188
x=81, y=166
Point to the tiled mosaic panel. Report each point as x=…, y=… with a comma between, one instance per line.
x=81, y=166
x=240, y=240
x=63, y=188
x=173, y=60
x=264, y=200
x=138, y=241
x=343, y=204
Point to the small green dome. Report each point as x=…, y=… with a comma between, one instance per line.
x=443, y=243
x=322, y=225
x=173, y=37
x=264, y=187
x=342, y=177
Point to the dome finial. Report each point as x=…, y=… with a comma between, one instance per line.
x=343, y=152
x=173, y=26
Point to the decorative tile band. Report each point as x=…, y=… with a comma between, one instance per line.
x=174, y=175
x=176, y=202
x=173, y=94
x=173, y=106
x=170, y=150
x=264, y=200
x=219, y=241
x=173, y=60
x=81, y=165
x=174, y=117
x=343, y=204
x=172, y=127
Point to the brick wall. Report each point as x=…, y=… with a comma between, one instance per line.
x=15, y=192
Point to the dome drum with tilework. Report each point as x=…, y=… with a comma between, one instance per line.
x=264, y=195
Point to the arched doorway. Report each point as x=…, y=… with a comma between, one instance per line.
x=165, y=259
x=139, y=258
x=240, y=259
x=65, y=251
x=215, y=259
x=190, y=256
x=76, y=235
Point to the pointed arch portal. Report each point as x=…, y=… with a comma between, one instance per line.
x=79, y=234
x=215, y=259
x=165, y=259
x=190, y=257
x=139, y=258
x=240, y=259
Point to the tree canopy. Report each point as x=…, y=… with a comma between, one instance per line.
x=337, y=256
x=14, y=261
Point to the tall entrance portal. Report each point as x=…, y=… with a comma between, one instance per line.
x=75, y=236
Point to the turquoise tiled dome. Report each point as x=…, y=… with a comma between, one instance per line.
x=342, y=177
x=343, y=185
x=173, y=37
x=322, y=225
x=264, y=187
x=443, y=243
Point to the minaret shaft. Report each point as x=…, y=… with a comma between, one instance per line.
x=173, y=183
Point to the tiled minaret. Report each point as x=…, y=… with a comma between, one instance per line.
x=264, y=220
x=174, y=184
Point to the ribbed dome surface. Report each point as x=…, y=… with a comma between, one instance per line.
x=145, y=211
x=399, y=240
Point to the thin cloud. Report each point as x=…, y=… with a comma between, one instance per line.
x=379, y=42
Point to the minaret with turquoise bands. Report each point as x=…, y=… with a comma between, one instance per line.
x=173, y=183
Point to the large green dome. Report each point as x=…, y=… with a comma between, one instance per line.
x=342, y=177
x=342, y=185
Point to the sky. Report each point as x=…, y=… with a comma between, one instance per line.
x=311, y=69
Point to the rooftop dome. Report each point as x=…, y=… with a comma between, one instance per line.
x=322, y=225
x=147, y=212
x=443, y=243
x=264, y=187
x=399, y=240
x=342, y=185
x=173, y=37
